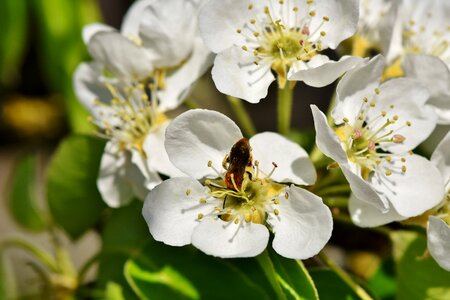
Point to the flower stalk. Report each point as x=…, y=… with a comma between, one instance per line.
x=344, y=276
x=244, y=119
x=285, y=96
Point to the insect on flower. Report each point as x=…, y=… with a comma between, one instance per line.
x=236, y=163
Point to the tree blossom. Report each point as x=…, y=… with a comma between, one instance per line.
x=375, y=25
x=438, y=231
x=237, y=190
x=253, y=38
x=377, y=127
x=420, y=43
x=136, y=76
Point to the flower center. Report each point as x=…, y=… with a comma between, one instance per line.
x=129, y=116
x=280, y=36
x=364, y=139
x=421, y=39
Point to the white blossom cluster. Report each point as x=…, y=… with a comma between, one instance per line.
x=225, y=193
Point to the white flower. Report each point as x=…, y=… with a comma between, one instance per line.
x=378, y=125
x=226, y=212
x=135, y=77
x=375, y=23
x=438, y=231
x=421, y=44
x=255, y=37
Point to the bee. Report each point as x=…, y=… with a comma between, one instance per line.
x=236, y=162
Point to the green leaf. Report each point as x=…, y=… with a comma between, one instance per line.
x=382, y=284
x=72, y=194
x=165, y=284
x=212, y=277
x=114, y=291
x=418, y=277
x=294, y=278
x=331, y=286
x=23, y=196
x=123, y=236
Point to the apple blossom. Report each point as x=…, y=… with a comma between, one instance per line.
x=378, y=126
x=230, y=200
x=420, y=43
x=136, y=76
x=253, y=38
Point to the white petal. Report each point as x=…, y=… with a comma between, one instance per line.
x=168, y=29
x=366, y=215
x=343, y=17
x=322, y=73
x=413, y=192
x=358, y=83
x=227, y=239
x=88, y=88
x=235, y=74
x=171, y=214
x=119, y=180
x=90, y=30
x=140, y=168
x=121, y=56
x=326, y=139
x=219, y=20
x=438, y=233
x=408, y=97
x=179, y=82
x=364, y=190
x=432, y=72
x=133, y=18
x=441, y=157
x=292, y=160
x=157, y=158
x=198, y=136
x=303, y=225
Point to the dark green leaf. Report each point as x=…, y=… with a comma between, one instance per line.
x=330, y=286
x=165, y=284
x=72, y=194
x=418, y=276
x=382, y=284
x=294, y=278
x=23, y=196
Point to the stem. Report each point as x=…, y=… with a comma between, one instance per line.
x=39, y=254
x=242, y=115
x=87, y=266
x=269, y=270
x=285, y=96
x=345, y=277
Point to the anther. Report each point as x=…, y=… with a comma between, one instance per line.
x=250, y=6
x=326, y=19
x=395, y=117
x=238, y=30
x=398, y=138
x=188, y=192
x=252, y=21
x=276, y=212
x=371, y=145
x=286, y=195
x=200, y=216
x=244, y=48
x=312, y=13
x=203, y=200
x=345, y=119
x=372, y=104
x=365, y=100
x=356, y=134
x=403, y=169
x=209, y=163
x=276, y=201
x=388, y=173
x=236, y=221
x=403, y=159
x=323, y=33
x=408, y=123
x=377, y=91
x=388, y=158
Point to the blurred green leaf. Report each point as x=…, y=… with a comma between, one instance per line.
x=418, y=277
x=13, y=24
x=72, y=194
x=62, y=49
x=382, y=284
x=123, y=235
x=164, y=284
x=330, y=286
x=114, y=291
x=294, y=278
x=23, y=196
